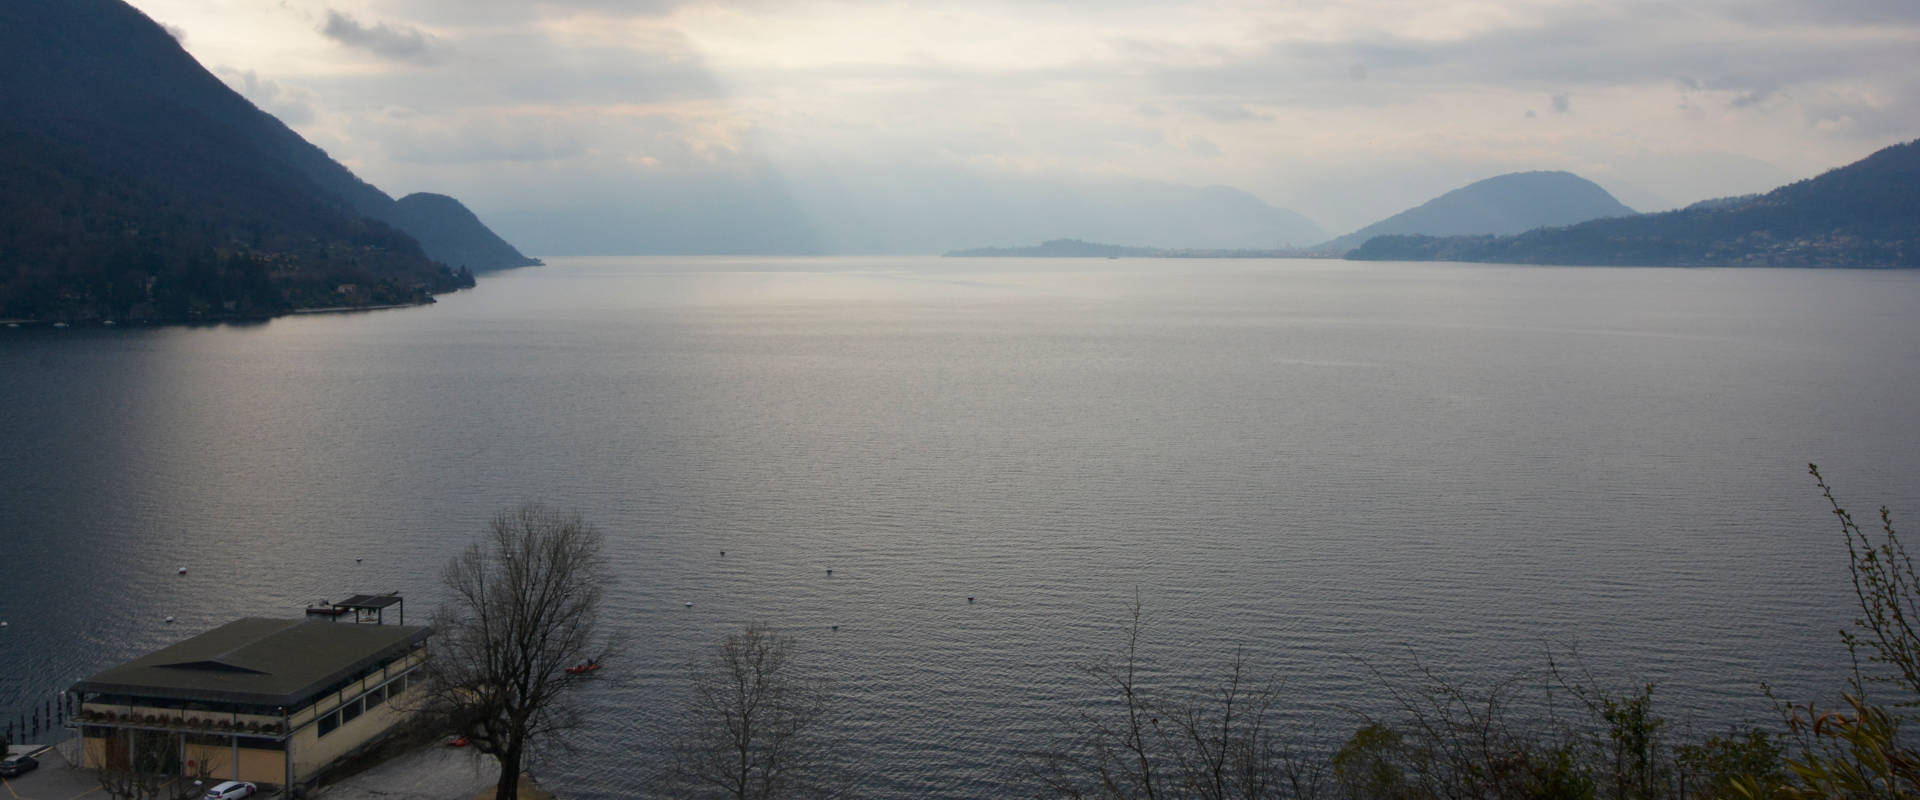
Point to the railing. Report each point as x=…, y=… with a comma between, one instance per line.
x=42, y=720
x=190, y=722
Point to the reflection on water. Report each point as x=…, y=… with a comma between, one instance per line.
x=1318, y=461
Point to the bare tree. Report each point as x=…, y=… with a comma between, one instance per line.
x=757, y=727
x=1452, y=740
x=1217, y=744
x=524, y=608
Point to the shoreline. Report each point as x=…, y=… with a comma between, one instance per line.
x=349, y=309
x=230, y=319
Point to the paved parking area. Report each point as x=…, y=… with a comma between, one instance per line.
x=54, y=780
x=58, y=779
x=435, y=772
x=430, y=773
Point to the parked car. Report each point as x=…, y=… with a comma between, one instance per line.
x=17, y=765
x=231, y=790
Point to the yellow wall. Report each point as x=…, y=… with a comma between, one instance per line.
x=311, y=752
x=262, y=766
x=327, y=704
x=96, y=752
x=209, y=760
x=212, y=761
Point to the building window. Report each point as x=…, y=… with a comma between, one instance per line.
x=349, y=711
x=376, y=697
x=329, y=722
x=256, y=743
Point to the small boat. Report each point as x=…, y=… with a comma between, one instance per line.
x=582, y=669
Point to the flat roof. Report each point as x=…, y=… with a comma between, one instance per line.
x=270, y=662
x=369, y=601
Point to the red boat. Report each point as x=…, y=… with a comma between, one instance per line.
x=582, y=669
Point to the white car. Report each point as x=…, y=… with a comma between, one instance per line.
x=231, y=790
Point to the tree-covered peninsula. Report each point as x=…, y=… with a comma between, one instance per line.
x=135, y=185
x=1865, y=214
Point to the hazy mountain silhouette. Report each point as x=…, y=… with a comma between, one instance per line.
x=453, y=235
x=1504, y=204
x=1865, y=214
x=133, y=183
x=1078, y=248
x=897, y=209
x=942, y=210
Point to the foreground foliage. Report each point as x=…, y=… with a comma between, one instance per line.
x=758, y=726
x=1448, y=741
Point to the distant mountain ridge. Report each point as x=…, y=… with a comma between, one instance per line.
x=1075, y=248
x=135, y=184
x=1865, y=214
x=452, y=235
x=1501, y=205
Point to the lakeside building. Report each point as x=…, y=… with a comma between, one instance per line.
x=275, y=701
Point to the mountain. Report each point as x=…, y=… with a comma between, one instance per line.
x=1865, y=214
x=453, y=235
x=939, y=210
x=1075, y=248
x=135, y=184
x=1504, y=204
x=896, y=208
x=1058, y=248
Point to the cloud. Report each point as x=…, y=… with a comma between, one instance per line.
x=1857, y=115
x=1751, y=97
x=543, y=70
x=1633, y=44
x=497, y=12
x=292, y=106
x=1278, y=98
x=1227, y=112
x=178, y=33
x=397, y=43
x=476, y=138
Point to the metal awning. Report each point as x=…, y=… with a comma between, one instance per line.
x=364, y=607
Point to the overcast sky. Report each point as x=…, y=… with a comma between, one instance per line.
x=1342, y=111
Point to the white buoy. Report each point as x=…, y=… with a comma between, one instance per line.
x=169, y=618
x=3, y=624
x=689, y=604
x=183, y=570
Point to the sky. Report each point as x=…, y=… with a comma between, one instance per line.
x=603, y=125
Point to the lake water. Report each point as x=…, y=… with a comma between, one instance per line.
x=1327, y=464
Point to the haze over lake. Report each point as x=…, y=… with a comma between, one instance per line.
x=1322, y=462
